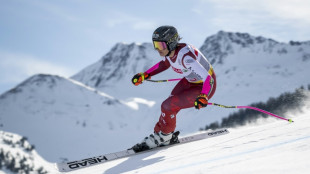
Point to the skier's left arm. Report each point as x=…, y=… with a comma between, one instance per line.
x=193, y=65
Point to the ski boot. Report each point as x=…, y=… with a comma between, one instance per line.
x=156, y=140
x=175, y=139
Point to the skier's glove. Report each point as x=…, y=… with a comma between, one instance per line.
x=139, y=78
x=201, y=101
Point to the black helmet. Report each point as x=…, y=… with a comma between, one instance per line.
x=167, y=34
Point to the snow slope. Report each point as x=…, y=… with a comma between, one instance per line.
x=273, y=147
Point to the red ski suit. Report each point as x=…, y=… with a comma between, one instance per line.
x=199, y=77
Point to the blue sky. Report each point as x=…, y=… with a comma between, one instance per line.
x=64, y=36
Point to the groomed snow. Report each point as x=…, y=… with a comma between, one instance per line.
x=275, y=147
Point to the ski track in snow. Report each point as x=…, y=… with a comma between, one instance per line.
x=277, y=147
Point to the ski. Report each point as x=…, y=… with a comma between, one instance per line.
x=75, y=165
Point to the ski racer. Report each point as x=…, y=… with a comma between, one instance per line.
x=194, y=90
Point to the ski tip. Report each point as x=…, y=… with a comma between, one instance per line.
x=60, y=167
x=290, y=120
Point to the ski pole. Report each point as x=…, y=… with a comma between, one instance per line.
x=253, y=108
x=159, y=81
x=239, y=107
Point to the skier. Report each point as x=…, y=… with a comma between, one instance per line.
x=194, y=90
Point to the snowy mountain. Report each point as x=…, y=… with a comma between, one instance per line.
x=251, y=69
x=98, y=110
x=127, y=59
x=121, y=60
x=223, y=44
x=61, y=116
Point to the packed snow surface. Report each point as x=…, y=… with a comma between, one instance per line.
x=272, y=147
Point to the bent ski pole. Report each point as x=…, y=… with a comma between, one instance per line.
x=239, y=107
x=169, y=80
x=253, y=108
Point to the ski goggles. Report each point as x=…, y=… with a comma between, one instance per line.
x=159, y=45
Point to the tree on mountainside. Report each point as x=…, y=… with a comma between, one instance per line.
x=279, y=105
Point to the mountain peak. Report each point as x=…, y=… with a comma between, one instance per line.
x=51, y=86
x=36, y=80
x=121, y=60
x=220, y=45
x=243, y=39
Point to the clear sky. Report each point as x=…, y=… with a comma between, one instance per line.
x=64, y=36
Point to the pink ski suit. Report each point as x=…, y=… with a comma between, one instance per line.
x=199, y=77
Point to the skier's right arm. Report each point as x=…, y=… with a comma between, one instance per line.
x=159, y=67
